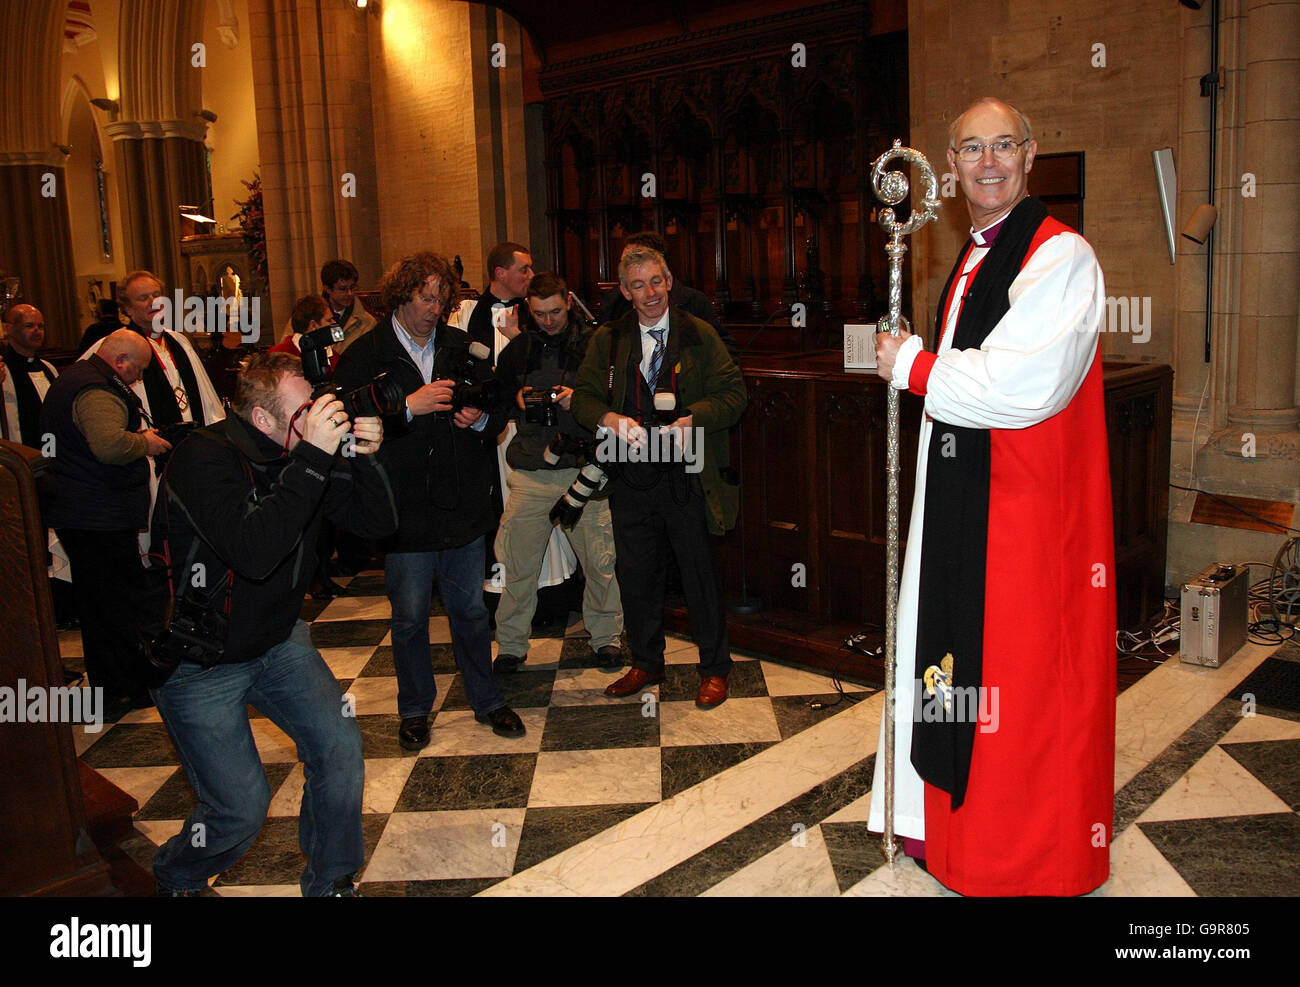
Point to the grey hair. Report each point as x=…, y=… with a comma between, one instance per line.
x=1026, y=131
x=636, y=256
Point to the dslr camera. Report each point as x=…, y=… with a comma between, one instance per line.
x=471, y=390
x=381, y=396
x=540, y=407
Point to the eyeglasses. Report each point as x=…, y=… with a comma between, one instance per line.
x=428, y=300
x=1002, y=150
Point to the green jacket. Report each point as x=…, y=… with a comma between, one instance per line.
x=710, y=387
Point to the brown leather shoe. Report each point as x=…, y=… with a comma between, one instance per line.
x=635, y=679
x=713, y=692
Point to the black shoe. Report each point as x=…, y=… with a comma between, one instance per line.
x=508, y=663
x=413, y=734
x=505, y=722
x=329, y=589
x=610, y=656
x=343, y=888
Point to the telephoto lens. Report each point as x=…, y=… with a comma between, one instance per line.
x=568, y=509
x=383, y=396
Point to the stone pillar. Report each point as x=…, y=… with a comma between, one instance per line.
x=1257, y=453
x=160, y=165
x=312, y=85
x=36, y=246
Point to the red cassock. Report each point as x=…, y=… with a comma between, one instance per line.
x=1038, y=809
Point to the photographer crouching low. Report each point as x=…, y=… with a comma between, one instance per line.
x=236, y=523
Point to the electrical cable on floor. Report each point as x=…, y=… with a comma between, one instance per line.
x=852, y=645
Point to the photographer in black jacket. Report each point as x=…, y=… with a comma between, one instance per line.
x=237, y=521
x=440, y=454
x=540, y=367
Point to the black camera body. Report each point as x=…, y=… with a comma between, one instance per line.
x=540, y=407
x=470, y=389
x=381, y=396
x=190, y=632
x=174, y=434
x=563, y=444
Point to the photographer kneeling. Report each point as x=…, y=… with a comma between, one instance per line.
x=237, y=521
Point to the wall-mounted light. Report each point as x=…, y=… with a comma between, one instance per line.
x=64, y=149
x=1197, y=228
x=104, y=103
x=207, y=115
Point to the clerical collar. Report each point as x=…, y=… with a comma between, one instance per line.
x=989, y=235
x=14, y=358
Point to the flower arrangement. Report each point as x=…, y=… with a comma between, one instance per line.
x=252, y=223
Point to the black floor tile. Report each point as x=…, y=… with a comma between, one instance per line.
x=684, y=767
x=482, y=781
x=552, y=830
x=854, y=851
x=1235, y=856
x=1276, y=682
x=276, y=857
x=683, y=681
x=525, y=689
x=1276, y=763
x=348, y=633
x=367, y=584
x=379, y=736
x=712, y=865
x=132, y=745
x=793, y=713
x=454, y=888
x=441, y=657
x=586, y=728
x=311, y=609
x=175, y=799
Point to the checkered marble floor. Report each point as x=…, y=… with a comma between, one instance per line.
x=764, y=795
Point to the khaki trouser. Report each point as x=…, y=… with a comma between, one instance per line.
x=521, y=540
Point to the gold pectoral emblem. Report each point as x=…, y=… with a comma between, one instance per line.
x=938, y=679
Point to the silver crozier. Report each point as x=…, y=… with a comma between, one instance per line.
x=891, y=188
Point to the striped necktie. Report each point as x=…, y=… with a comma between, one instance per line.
x=656, y=357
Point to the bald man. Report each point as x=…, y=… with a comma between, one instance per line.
x=1006, y=614
x=99, y=501
x=24, y=377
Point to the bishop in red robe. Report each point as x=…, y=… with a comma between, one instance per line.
x=1005, y=710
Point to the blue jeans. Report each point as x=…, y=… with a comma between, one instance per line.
x=204, y=710
x=408, y=577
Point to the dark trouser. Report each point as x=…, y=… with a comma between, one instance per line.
x=648, y=523
x=108, y=581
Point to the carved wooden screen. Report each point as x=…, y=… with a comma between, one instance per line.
x=755, y=169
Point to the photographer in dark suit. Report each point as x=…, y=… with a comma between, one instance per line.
x=237, y=519
x=440, y=453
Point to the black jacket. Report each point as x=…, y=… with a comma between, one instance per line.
x=480, y=320
x=258, y=512
x=443, y=477
x=540, y=361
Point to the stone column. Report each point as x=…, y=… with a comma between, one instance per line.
x=1258, y=452
x=160, y=165
x=36, y=246
x=312, y=85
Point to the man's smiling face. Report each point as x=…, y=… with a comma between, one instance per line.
x=991, y=186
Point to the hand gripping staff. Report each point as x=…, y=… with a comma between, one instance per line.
x=891, y=188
